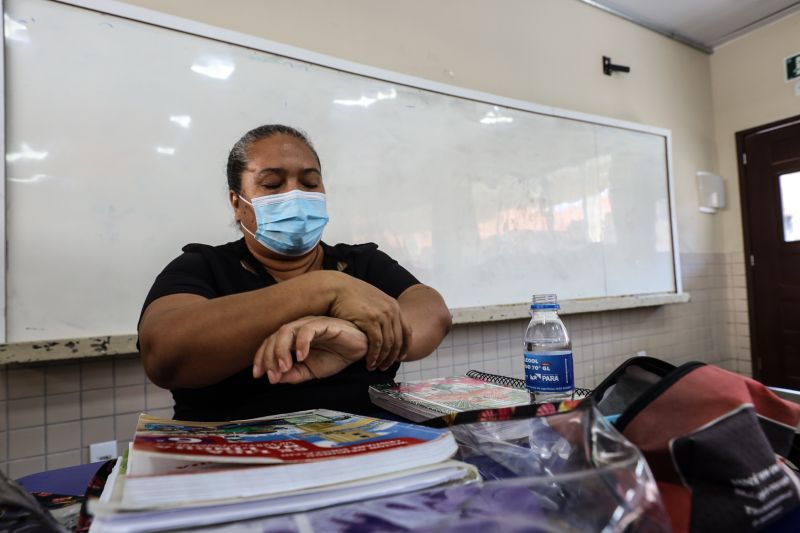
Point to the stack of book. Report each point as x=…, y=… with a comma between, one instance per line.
x=431, y=398
x=180, y=474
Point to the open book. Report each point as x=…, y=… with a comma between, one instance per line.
x=173, y=462
x=431, y=398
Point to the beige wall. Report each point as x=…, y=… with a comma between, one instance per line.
x=749, y=90
x=543, y=51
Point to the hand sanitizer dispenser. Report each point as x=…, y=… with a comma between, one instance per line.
x=710, y=192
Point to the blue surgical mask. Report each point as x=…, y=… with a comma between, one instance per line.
x=289, y=223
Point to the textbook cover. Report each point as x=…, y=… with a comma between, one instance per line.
x=162, y=445
x=431, y=398
x=173, y=462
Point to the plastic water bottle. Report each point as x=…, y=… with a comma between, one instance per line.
x=548, y=352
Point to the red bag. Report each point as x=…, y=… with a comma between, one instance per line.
x=717, y=442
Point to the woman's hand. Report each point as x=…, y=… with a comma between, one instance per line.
x=376, y=314
x=323, y=346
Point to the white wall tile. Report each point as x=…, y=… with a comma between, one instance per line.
x=96, y=374
x=62, y=378
x=24, y=467
x=63, y=437
x=128, y=372
x=26, y=442
x=474, y=334
x=63, y=407
x=157, y=398
x=25, y=382
x=129, y=399
x=26, y=412
x=63, y=459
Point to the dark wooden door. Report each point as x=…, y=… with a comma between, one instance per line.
x=770, y=187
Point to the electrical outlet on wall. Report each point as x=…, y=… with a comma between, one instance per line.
x=102, y=451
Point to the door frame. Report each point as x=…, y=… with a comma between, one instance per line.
x=755, y=359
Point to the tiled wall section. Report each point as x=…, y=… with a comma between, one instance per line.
x=50, y=414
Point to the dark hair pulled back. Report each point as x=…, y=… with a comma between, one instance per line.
x=237, y=159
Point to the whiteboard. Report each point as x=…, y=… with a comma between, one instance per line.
x=118, y=132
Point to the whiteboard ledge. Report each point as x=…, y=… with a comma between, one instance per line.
x=56, y=350
x=62, y=349
x=495, y=313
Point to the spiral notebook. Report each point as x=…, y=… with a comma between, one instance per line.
x=516, y=383
x=431, y=398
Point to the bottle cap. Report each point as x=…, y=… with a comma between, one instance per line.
x=545, y=301
x=545, y=306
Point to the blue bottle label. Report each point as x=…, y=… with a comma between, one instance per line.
x=549, y=371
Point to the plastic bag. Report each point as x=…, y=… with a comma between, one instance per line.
x=583, y=473
x=569, y=471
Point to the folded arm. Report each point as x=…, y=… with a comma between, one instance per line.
x=316, y=347
x=188, y=341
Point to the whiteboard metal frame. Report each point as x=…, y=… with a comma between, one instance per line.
x=124, y=343
x=3, y=201
x=673, y=214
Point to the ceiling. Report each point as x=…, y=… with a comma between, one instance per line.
x=703, y=24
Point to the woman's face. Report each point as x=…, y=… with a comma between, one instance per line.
x=280, y=163
x=277, y=164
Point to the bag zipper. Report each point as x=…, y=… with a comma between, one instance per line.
x=654, y=392
x=651, y=364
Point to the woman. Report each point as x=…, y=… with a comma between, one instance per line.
x=279, y=321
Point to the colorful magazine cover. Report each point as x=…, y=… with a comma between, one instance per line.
x=290, y=438
x=455, y=394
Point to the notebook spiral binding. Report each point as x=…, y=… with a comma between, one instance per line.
x=515, y=383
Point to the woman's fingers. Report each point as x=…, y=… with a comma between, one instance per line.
x=305, y=335
x=375, y=337
x=388, y=349
x=323, y=347
x=399, y=337
x=385, y=334
x=258, y=364
x=297, y=374
x=274, y=356
x=284, y=344
x=396, y=340
x=262, y=362
x=375, y=313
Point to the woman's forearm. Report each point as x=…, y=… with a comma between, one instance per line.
x=430, y=320
x=182, y=336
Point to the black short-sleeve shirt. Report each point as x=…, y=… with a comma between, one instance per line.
x=215, y=271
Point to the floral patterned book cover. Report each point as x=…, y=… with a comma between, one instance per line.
x=439, y=396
